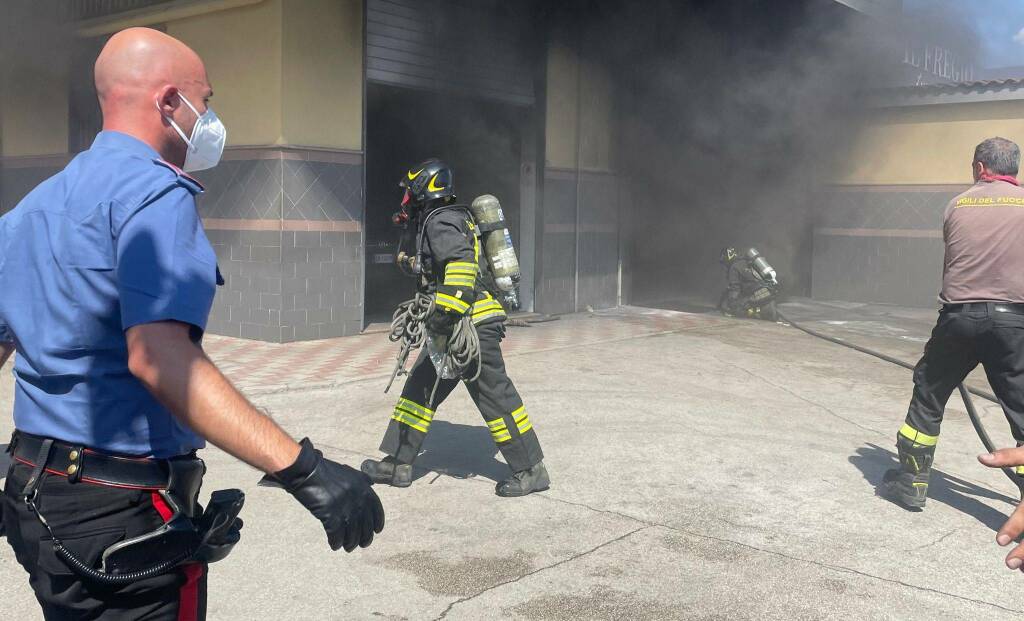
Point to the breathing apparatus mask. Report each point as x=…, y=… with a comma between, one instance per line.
x=206, y=144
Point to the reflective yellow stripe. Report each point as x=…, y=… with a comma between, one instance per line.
x=414, y=415
x=522, y=420
x=918, y=437
x=460, y=281
x=1020, y=470
x=482, y=305
x=407, y=419
x=477, y=319
x=454, y=303
x=412, y=406
x=461, y=267
x=496, y=423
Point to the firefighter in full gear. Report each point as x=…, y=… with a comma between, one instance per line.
x=752, y=285
x=453, y=270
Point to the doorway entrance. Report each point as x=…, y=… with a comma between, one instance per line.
x=486, y=144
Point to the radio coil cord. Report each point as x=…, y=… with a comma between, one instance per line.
x=965, y=392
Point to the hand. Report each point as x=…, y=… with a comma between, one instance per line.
x=339, y=496
x=1012, y=529
x=442, y=322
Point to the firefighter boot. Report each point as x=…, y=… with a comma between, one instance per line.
x=908, y=484
x=388, y=471
x=524, y=482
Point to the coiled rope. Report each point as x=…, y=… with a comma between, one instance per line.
x=408, y=327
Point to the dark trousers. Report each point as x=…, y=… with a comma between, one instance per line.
x=493, y=392
x=88, y=518
x=959, y=342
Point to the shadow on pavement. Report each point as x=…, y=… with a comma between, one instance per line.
x=873, y=461
x=460, y=451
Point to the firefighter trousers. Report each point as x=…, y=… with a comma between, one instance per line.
x=493, y=392
x=959, y=342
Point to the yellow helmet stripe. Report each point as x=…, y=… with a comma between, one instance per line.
x=433, y=188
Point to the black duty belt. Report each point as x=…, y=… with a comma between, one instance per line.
x=79, y=463
x=990, y=307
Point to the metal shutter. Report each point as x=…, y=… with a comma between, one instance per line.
x=472, y=47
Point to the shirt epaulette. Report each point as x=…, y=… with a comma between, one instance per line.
x=190, y=182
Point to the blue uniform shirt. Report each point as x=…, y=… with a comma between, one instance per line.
x=112, y=241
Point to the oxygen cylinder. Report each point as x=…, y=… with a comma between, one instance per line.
x=761, y=266
x=497, y=242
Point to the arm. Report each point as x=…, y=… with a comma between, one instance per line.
x=166, y=273
x=452, y=249
x=1014, y=527
x=180, y=375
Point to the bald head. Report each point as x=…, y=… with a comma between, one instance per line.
x=141, y=75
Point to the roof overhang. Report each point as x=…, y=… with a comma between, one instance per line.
x=945, y=94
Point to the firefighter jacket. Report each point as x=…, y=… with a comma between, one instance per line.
x=453, y=268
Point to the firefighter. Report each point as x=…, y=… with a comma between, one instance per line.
x=751, y=285
x=981, y=320
x=454, y=273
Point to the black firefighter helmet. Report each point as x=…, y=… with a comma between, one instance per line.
x=727, y=256
x=427, y=181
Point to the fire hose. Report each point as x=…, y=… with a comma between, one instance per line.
x=965, y=391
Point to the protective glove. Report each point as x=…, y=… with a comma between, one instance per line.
x=337, y=495
x=442, y=322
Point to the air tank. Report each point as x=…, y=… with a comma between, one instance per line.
x=761, y=266
x=497, y=243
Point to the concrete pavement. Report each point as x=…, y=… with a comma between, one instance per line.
x=702, y=468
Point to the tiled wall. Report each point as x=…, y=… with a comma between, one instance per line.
x=600, y=207
x=286, y=225
x=287, y=228
x=880, y=244
x=19, y=176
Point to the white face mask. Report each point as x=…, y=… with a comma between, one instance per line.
x=207, y=142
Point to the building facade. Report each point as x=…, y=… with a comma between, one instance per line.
x=327, y=102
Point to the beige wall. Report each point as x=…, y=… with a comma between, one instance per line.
x=33, y=82
x=595, y=125
x=322, y=74
x=34, y=110
x=242, y=51
x=927, y=144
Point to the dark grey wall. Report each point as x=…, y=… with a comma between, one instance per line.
x=880, y=244
x=601, y=205
x=18, y=179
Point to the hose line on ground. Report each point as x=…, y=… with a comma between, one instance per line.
x=965, y=392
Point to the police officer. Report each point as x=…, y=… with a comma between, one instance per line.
x=982, y=315
x=454, y=273
x=107, y=281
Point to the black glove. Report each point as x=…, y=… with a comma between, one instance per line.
x=442, y=322
x=337, y=495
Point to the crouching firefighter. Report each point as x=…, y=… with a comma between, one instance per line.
x=457, y=293
x=752, y=285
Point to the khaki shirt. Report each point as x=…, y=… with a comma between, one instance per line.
x=984, y=234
